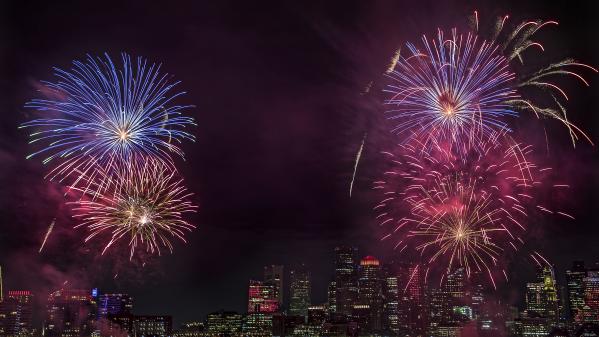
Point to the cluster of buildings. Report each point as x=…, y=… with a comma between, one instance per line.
x=366, y=297
x=78, y=312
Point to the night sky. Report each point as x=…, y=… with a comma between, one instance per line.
x=276, y=88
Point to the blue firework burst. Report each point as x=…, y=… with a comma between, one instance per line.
x=99, y=115
x=453, y=91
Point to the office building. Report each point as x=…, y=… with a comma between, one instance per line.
x=299, y=294
x=262, y=297
x=346, y=279
x=370, y=291
x=70, y=313
x=274, y=274
x=16, y=313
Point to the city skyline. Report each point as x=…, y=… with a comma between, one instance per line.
x=385, y=289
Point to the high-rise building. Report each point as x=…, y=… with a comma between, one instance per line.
x=16, y=313
x=224, y=323
x=591, y=296
x=299, y=294
x=541, y=296
x=262, y=297
x=114, y=304
x=153, y=326
x=412, y=310
x=437, y=308
x=370, y=291
x=332, y=297
x=541, y=314
x=274, y=274
x=477, y=296
x=575, y=287
x=403, y=300
x=450, y=305
x=391, y=304
x=362, y=315
x=346, y=280
x=70, y=312
x=535, y=299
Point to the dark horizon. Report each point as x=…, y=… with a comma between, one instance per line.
x=276, y=88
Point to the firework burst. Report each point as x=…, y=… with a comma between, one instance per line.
x=99, y=116
x=452, y=89
x=461, y=88
x=459, y=211
x=460, y=223
x=143, y=204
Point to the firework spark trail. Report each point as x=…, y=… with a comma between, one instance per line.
x=453, y=90
x=100, y=116
x=394, y=61
x=358, y=156
x=143, y=204
x=367, y=88
x=459, y=211
x=512, y=44
x=536, y=256
x=48, y=232
x=411, y=277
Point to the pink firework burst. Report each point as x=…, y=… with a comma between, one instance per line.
x=459, y=211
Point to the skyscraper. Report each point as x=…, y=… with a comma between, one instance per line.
x=575, y=287
x=460, y=303
x=346, y=283
x=450, y=304
x=591, y=296
x=541, y=296
x=332, y=297
x=391, y=302
x=70, y=312
x=262, y=297
x=542, y=305
x=299, y=299
x=370, y=290
x=477, y=295
x=274, y=274
x=412, y=318
x=16, y=313
x=417, y=293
